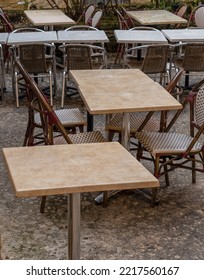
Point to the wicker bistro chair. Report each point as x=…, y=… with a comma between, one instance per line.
x=181, y=12
x=137, y=120
x=171, y=150
x=35, y=60
x=96, y=55
x=154, y=62
x=71, y=119
x=95, y=20
x=191, y=19
x=191, y=59
x=50, y=120
x=199, y=21
x=130, y=22
x=86, y=14
x=80, y=57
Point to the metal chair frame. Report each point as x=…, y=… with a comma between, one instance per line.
x=45, y=63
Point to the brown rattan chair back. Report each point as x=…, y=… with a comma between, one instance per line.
x=78, y=57
x=193, y=60
x=33, y=58
x=38, y=102
x=155, y=60
x=199, y=105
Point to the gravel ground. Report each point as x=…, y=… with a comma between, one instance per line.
x=128, y=228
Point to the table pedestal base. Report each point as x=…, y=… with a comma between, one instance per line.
x=73, y=208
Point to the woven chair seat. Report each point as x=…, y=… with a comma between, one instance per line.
x=167, y=143
x=135, y=122
x=80, y=138
x=68, y=117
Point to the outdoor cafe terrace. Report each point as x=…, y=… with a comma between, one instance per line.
x=127, y=227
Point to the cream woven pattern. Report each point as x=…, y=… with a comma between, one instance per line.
x=135, y=122
x=80, y=138
x=199, y=111
x=173, y=143
x=68, y=117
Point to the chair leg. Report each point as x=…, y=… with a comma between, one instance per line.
x=193, y=170
x=154, y=197
x=156, y=167
x=42, y=205
x=119, y=53
x=139, y=151
x=16, y=89
x=166, y=173
x=110, y=135
x=81, y=128
x=63, y=88
x=51, y=94
x=26, y=137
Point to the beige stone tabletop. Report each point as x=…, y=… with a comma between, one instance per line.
x=48, y=17
x=109, y=91
x=154, y=17
x=65, y=169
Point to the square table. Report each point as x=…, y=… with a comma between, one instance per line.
x=22, y=38
x=109, y=91
x=139, y=37
x=3, y=37
x=80, y=168
x=184, y=35
x=82, y=36
x=48, y=18
x=156, y=17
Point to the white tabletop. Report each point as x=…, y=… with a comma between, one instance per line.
x=110, y=91
x=80, y=168
x=139, y=36
x=156, y=17
x=48, y=17
x=32, y=37
x=3, y=37
x=184, y=35
x=84, y=36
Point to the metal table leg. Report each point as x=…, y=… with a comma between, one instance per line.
x=89, y=122
x=73, y=208
x=126, y=131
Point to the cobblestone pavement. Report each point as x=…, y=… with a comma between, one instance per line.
x=128, y=228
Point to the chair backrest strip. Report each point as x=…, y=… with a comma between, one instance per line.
x=42, y=101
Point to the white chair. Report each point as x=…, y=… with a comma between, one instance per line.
x=87, y=14
x=199, y=17
x=94, y=22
